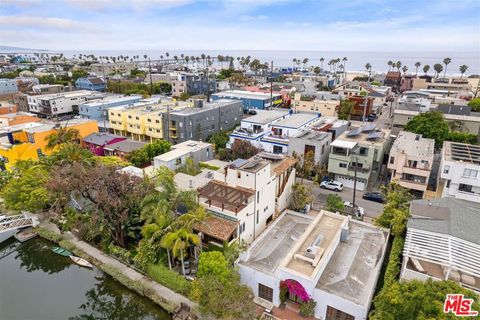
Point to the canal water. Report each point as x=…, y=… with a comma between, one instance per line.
x=37, y=284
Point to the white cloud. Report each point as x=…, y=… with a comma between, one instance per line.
x=20, y=3
x=253, y=18
x=99, y=5
x=43, y=22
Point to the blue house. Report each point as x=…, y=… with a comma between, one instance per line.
x=92, y=83
x=250, y=100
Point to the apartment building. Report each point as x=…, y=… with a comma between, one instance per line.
x=106, y=69
x=325, y=104
x=443, y=242
x=410, y=161
x=200, y=122
x=251, y=100
x=253, y=128
x=92, y=83
x=193, y=84
x=198, y=151
x=459, y=173
x=8, y=88
x=241, y=199
x=278, y=139
x=97, y=109
x=358, y=152
x=329, y=258
x=53, y=105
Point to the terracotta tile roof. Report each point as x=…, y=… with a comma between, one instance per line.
x=284, y=165
x=217, y=227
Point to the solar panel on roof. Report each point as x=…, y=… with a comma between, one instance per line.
x=355, y=132
x=369, y=127
x=374, y=135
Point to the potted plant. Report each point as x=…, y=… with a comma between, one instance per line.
x=283, y=294
x=307, y=309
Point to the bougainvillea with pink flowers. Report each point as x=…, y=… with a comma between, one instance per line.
x=296, y=289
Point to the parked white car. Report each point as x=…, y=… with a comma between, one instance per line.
x=359, y=210
x=332, y=185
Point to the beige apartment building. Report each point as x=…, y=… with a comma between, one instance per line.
x=141, y=123
x=410, y=161
x=327, y=107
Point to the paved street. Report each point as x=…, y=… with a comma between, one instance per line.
x=372, y=209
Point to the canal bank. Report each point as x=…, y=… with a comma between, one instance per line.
x=37, y=284
x=132, y=279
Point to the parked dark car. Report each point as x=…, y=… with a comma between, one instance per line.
x=374, y=196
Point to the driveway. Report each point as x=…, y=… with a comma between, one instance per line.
x=372, y=209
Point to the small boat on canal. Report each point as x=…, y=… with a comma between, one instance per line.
x=61, y=251
x=81, y=262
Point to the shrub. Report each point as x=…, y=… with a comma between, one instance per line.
x=307, y=309
x=122, y=254
x=169, y=278
x=204, y=165
x=393, y=267
x=49, y=235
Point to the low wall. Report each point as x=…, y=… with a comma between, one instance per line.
x=127, y=276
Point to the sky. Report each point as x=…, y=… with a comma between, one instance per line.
x=352, y=25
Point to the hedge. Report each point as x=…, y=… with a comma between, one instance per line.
x=204, y=165
x=169, y=279
x=394, y=262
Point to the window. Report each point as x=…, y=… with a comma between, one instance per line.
x=241, y=228
x=258, y=216
x=448, y=183
x=465, y=188
x=470, y=173
x=363, y=151
x=342, y=165
x=178, y=161
x=239, y=174
x=446, y=169
x=258, y=196
x=265, y=292
x=335, y=314
x=392, y=160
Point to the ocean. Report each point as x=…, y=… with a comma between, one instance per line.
x=356, y=59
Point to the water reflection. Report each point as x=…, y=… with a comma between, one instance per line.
x=37, y=255
x=54, y=288
x=109, y=301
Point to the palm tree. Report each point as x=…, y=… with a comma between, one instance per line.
x=305, y=61
x=368, y=67
x=398, y=65
x=390, y=64
x=446, y=62
x=177, y=242
x=294, y=63
x=317, y=71
x=417, y=65
x=345, y=59
x=62, y=135
x=321, y=62
x=438, y=68
x=191, y=218
x=404, y=69
x=426, y=68
x=463, y=68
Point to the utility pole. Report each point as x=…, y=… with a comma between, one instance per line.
x=208, y=84
x=150, y=71
x=355, y=184
x=271, y=84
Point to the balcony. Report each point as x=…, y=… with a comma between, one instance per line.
x=413, y=185
x=359, y=169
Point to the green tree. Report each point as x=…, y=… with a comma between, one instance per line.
x=191, y=218
x=178, y=242
x=463, y=68
x=335, y=203
x=418, y=300
x=213, y=263
x=230, y=300
x=474, y=104
x=184, y=96
x=345, y=110
x=426, y=68
x=301, y=196
x=438, y=68
x=79, y=74
x=417, y=65
x=243, y=149
x=395, y=210
x=219, y=140
x=70, y=153
x=430, y=125
x=145, y=154
x=190, y=167
x=111, y=161
x=26, y=189
x=462, y=137
x=62, y=135
x=446, y=62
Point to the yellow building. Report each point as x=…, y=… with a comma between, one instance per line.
x=143, y=123
x=34, y=141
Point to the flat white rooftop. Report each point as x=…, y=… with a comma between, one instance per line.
x=297, y=120
x=267, y=116
x=245, y=94
x=182, y=149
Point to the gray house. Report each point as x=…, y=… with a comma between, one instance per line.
x=317, y=142
x=202, y=121
x=198, y=151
